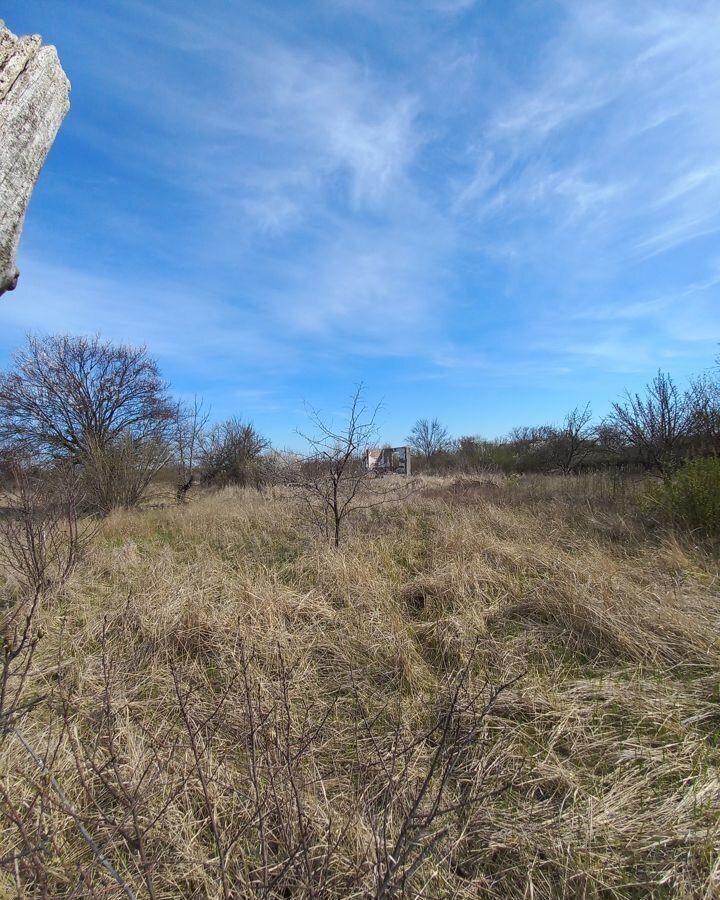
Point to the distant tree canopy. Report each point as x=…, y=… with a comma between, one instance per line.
x=657, y=424
x=105, y=409
x=98, y=405
x=571, y=443
x=72, y=396
x=705, y=412
x=428, y=437
x=655, y=429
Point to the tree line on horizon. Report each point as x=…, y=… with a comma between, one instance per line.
x=104, y=411
x=654, y=430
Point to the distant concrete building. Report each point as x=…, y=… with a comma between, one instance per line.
x=389, y=460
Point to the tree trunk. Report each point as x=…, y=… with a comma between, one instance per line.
x=34, y=99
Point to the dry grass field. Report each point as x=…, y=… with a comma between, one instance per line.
x=501, y=689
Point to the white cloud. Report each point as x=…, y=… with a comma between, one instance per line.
x=621, y=117
x=270, y=141
x=258, y=119
x=370, y=178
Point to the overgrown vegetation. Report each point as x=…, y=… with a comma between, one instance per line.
x=690, y=498
x=653, y=431
x=503, y=683
x=501, y=687
x=105, y=410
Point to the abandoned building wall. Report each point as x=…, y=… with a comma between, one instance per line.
x=389, y=460
x=34, y=100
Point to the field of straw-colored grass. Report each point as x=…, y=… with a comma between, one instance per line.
x=483, y=693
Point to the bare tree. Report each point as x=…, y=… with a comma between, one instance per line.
x=429, y=437
x=705, y=413
x=656, y=424
x=102, y=406
x=571, y=444
x=232, y=454
x=68, y=396
x=190, y=422
x=334, y=480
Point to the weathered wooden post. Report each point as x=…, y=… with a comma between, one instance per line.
x=34, y=99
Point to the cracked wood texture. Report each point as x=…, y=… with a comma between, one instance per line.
x=34, y=99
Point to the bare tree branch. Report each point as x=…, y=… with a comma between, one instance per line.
x=333, y=480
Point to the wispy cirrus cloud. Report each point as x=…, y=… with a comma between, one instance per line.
x=255, y=116
x=445, y=192
x=296, y=144
x=618, y=89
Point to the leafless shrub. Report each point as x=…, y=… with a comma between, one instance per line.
x=656, y=424
x=44, y=876
x=269, y=838
x=419, y=798
x=18, y=642
x=42, y=535
x=41, y=540
x=200, y=731
x=530, y=447
x=297, y=856
x=333, y=480
x=190, y=422
x=282, y=467
x=116, y=476
x=232, y=454
x=139, y=790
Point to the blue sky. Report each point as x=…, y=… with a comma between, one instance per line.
x=488, y=212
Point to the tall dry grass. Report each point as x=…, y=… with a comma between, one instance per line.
x=481, y=694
